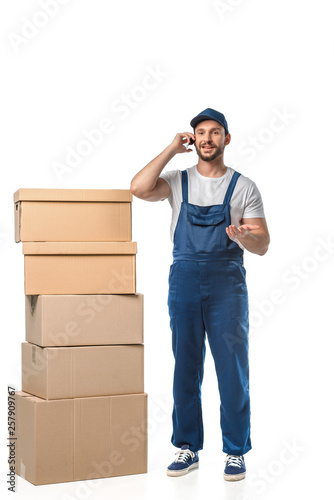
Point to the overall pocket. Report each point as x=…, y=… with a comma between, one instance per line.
x=205, y=228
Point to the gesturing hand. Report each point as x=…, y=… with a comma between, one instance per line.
x=236, y=233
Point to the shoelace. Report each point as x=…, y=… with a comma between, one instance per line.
x=234, y=460
x=183, y=456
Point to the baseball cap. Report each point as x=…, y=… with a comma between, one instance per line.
x=210, y=114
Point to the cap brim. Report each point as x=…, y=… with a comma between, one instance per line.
x=195, y=121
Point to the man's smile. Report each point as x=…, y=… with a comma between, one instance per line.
x=207, y=147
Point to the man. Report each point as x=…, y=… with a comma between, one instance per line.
x=217, y=213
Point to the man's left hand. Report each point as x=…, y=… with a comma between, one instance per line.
x=236, y=233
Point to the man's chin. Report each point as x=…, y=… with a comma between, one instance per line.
x=209, y=158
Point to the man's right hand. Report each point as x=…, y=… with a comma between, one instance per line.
x=180, y=141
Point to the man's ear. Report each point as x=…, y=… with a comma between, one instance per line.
x=227, y=139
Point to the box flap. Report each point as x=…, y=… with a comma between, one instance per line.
x=79, y=247
x=23, y=394
x=29, y=396
x=39, y=194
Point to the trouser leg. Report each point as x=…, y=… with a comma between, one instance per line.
x=226, y=322
x=188, y=342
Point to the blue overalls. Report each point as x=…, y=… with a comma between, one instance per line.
x=208, y=294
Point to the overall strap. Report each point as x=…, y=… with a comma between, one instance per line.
x=185, y=185
x=231, y=187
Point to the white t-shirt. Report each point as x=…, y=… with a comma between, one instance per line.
x=246, y=201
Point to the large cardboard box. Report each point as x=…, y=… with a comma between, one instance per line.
x=72, y=215
x=79, y=439
x=65, y=320
x=76, y=372
x=79, y=268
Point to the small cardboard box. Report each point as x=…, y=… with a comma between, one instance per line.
x=80, y=439
x=65, y=320
x=72, y=215
x=62, y=268
x=84, y=371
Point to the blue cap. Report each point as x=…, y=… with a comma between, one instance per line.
x=210, y=114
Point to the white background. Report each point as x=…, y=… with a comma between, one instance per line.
x=253, y=60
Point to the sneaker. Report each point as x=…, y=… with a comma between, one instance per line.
x=235, y=468
x=184, y=462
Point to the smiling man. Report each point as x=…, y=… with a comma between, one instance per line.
x=217, y=213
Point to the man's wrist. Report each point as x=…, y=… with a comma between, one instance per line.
x=171, y=150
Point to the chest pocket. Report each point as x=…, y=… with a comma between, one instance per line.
x=205, y=216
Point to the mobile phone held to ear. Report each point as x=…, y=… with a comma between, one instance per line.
x=190, y=143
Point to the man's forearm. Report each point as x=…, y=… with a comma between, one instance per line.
x=145, y=180
x=255, y=243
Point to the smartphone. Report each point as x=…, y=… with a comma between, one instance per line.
x=190, y=143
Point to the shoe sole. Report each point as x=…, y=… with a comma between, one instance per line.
x=234, y=477
x=183, y=472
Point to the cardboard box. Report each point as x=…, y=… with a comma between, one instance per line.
x=61, y=268
x=65, y=320
x=77, y=372
x=72, y=215
x=80, y=439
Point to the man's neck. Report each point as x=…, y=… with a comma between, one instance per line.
x=215, y=168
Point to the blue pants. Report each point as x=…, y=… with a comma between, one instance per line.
x=210, y=297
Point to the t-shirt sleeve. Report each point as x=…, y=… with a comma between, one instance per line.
x=254, y=205
x=170, y=176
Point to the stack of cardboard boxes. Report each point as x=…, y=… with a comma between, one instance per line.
x=82, y=411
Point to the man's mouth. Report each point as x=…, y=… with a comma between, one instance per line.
x=207, y=148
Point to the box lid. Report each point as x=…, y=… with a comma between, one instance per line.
x=27, y=395
x=39, y=194
x=23, y=394
x=79, y=247
x=37, y=399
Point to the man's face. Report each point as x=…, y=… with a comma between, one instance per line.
x=210, y=140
